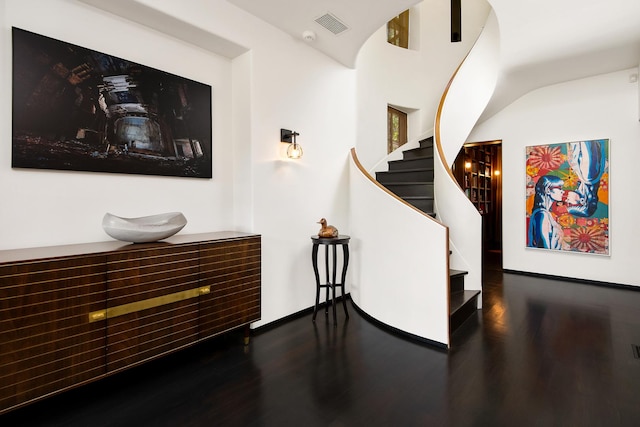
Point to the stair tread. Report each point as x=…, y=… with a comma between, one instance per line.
x=417, y=153
x=411, y=183
x=459, y=299
x=454, y=273
x=412, y=159
x=407, y=170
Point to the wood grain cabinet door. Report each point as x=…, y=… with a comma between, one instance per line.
x=47, y=341
x=152, y=302
x=231, y=272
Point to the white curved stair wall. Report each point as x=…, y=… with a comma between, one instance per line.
x=399, y=270
x=461, y=106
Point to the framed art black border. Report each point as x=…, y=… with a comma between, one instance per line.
x=81, y=110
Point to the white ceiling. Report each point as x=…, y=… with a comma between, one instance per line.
x=362, y=17
x=542, y=42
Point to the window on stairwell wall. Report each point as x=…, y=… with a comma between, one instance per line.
x=398, y=30
x=396, y=128
x=456, y=21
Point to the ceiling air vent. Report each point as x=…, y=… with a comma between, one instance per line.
x=331, y=23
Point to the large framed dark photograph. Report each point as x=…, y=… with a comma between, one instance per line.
x=82, y=110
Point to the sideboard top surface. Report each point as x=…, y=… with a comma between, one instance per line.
x=48, y=252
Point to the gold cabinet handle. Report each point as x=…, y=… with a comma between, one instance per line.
x=97, y=315
x=132, y=307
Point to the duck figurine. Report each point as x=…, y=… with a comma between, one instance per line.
x=327, y=230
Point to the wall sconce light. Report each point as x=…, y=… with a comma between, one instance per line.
x=289, y=137
x=467, y=165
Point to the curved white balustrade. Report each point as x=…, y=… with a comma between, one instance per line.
x=461, y=105
x=400, y=260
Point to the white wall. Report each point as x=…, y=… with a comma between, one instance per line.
x=410, y=78
x=279, y=83
x=466, y=98
x=402, y=281
x=315, y=98
x=603, y=106
x=282, y=83
x=51, y=207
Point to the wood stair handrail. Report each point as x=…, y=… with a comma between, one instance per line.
x=437, y=140
x=364, y=172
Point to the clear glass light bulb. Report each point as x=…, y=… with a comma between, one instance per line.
x=294, y=151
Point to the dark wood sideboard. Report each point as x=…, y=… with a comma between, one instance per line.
x=73, y=314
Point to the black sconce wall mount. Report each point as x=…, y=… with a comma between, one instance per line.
x=289, y=137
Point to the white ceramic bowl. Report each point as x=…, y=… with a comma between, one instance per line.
x=143, y=229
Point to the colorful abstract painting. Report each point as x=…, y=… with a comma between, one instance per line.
x=567, y=195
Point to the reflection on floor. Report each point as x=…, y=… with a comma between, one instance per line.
x=541, y=352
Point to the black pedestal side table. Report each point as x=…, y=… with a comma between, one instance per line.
x=328, y=242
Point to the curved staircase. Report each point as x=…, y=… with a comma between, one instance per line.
x=411, y=179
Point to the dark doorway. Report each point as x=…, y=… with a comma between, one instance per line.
x=478, y=170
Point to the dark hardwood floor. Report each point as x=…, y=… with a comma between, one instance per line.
x=541, y=353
